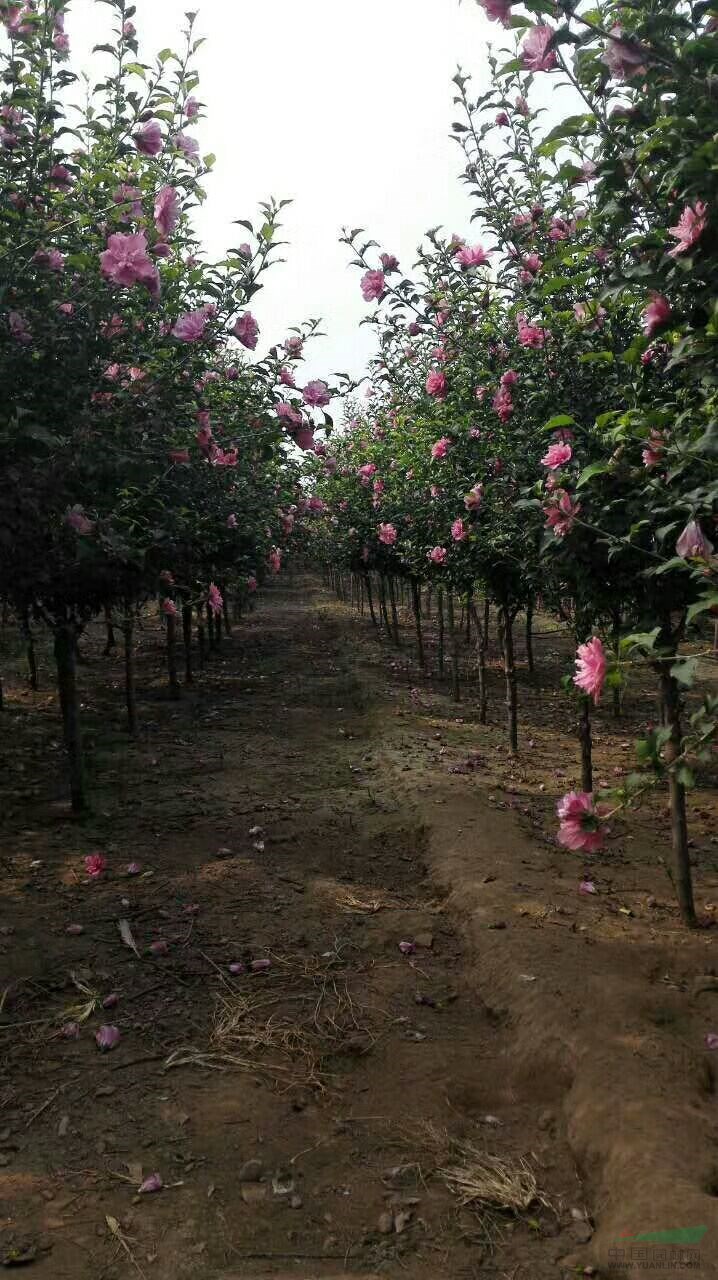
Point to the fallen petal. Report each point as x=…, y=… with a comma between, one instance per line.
x=107, y=1038
x=712, y=1040
x=134, y=868
x=237, y=967
x=70, y=1031
x=150, y=1184
x=75, y=929
x=110, y=1001
x=159, y=948
x=407, y=948
x=260, y=966
x=587, y=886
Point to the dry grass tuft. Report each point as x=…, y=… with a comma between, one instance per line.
x=490, y=1181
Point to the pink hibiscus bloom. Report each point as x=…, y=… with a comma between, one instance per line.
x=532, y=263
x=656, y=314
x=441, y=448
x=623, y=56
x=148, y=138
x=188, y=146
x=95, y=864
x=129, y=30
x=497, y=11
x=503, y=404
x=286, y=377
x=179, y=455
x=169, y=608
x=535, y=53
x=389, y=263
x=693, y=543
x=562, y=513
x=530, y=335
x=288, y=413
x=293, y=347
x=167, y=210
x=191, y=108
x=502, y=120
x=191, y=326
x=557, y=455
x=251, y=583
x=459, y=532
x=316, y=394
x=474, y=498
x=437, y=555
x=373, y=285
x=387, y=534
x=472, y=256
x=125, y=262
x=78, y=521
x=214, y=599
x=652, y=455
x=436, y=384
x=274, y=560
x=580, y=822
x=590, y=668
x=246, y=330
x=689, y=228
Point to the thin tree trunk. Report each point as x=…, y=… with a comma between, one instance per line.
x=429, y=594
x=487, y=623
x=481, y=664
x=530, y=637
x=110, y=633
x=586, y=745
x=30, y=653
x=440, y=616
x=370, y=600
x=215, y=624
x=225, y=612
x=187, y=639
x=454, y=644
x=416, y=603
x=677, y=800
x=506, y=619
x=201, y=638
x=469, y=608
x=382, y=604
x=66, y=662
x=394, y=614
x=128, y=633
x=172, y=657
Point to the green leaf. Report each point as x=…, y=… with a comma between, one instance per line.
x=709, y=601
x=684, y=671
x=593, y=469
x=640, y=640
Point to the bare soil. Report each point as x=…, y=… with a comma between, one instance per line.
x=314, y=802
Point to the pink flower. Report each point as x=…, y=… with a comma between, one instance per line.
x=214, y=598
x=18, y=326
x=441, y=448
x=373, y=285
x=481, y=393
x=66, y=308
x=510, y=378
x=389, y=263
x=522, y=106
x=623, y=56
x=562, y=513
x=474, y=498
x=529, y=334
x=475, y=256
x=191, y=326
x=556, y=456
x=188, y=146
x=125, y=262
x=387, y=534
x=167, y=210
x=232, y=521
x=113, y=328
x=436, y=384
x=61, y=44
x=580, y=822
x=107, y=1038
x=286, y=377
x=689, y=229
x=246, y=330
x=274, y=560
x=179, y=455
x=293, y=347
x=503, y=404
x=532, y=263
x=497, y=11
x=459, y=532
x=652, y=455
x=590, y=668
x=148, y=138
x=61, y=177
x=251, y=583
x=130, y=198
x=589, y=316
x=366, y=472
x=95, y=864
x=169, y=608
x=693, y=543
x=304, y=438
x=191, y=108
x=316, y=394
x=413, y=328
x=129, y=30
x=535, y=53
x=437, y=555
x=288, y=413
x=78, y=521
x=502, y=120
x=656, y=314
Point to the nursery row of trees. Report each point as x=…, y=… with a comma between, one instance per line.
x=143, y=455
x=540, y=427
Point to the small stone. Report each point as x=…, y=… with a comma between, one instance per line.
x=581, y=1232
x=386, y=1224
x=251, y=1171
x=295, y=1202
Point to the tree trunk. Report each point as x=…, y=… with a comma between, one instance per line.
x=586, y=744
x=394, y=614
x=201, y=638
x=469, y=610
x=677, y=799
x=506, y=619
x=128, y=633
x=215, y=623
x=172, y=657
x=481, y=663
x=210, y=629
x=187, y=639
x=416, y=603
x=382, y=604
x=487, y=623
x=66, y=662
x=530, y=637
x=370, y=600
x=30, y=653
x=454, y=643
x=109, y=632
x=225, y=612
x=440, y=616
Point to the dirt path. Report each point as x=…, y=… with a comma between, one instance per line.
x=310, y=1106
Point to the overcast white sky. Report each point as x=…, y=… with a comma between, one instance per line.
x=343, y=107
